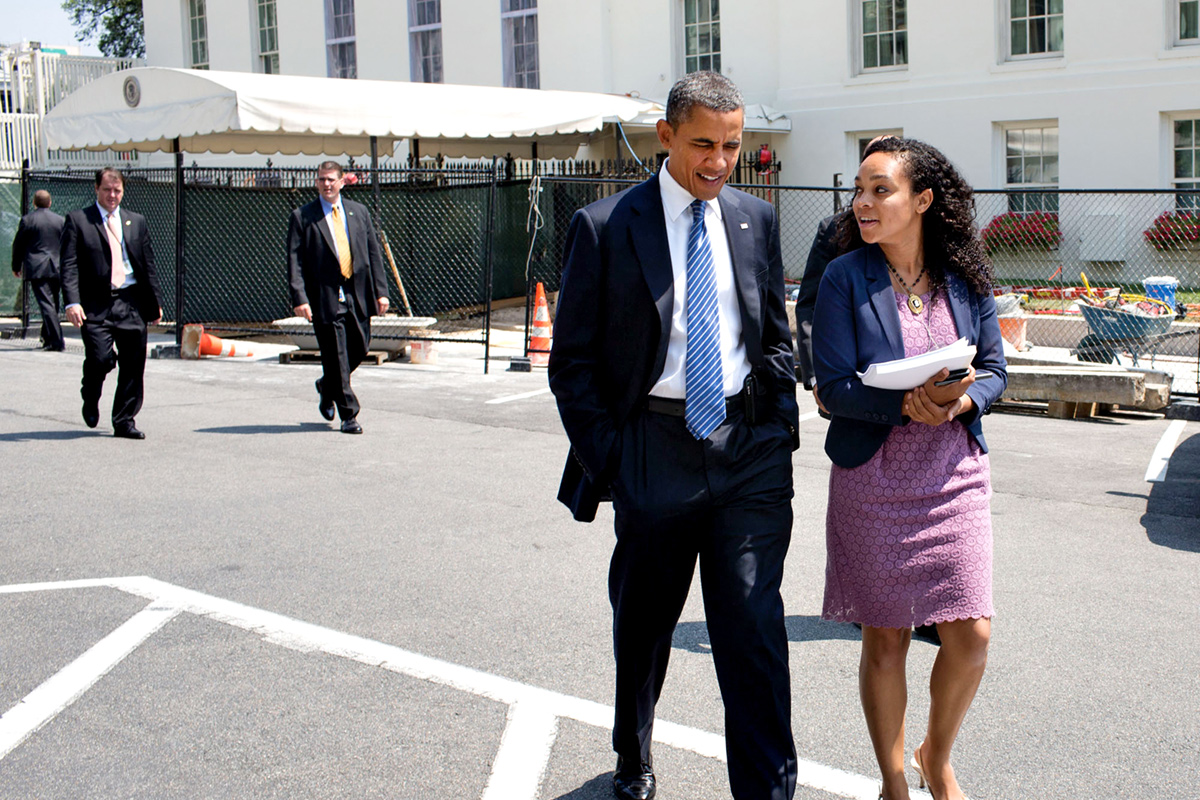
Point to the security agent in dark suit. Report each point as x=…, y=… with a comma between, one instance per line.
x=35, y=248
x=337, y=282
x=111, y=289
x=628, y=375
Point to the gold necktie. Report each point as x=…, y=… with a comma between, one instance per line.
x=343, y=245
x=117, y=264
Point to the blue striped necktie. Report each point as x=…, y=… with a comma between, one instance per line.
x=703, y=380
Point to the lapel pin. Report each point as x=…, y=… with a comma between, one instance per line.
x=745, y=225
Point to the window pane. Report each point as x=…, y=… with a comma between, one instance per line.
x=870, y=25
x=1033, y=142
x=703, y=16
x=1050, y=141
x=1012, y=143
x=1189, y=20
x=901, y=15
x=1183, y=133
x=715, y=6
x=1056, y=34
x=1056, y=6
x=1015, y=173
x=705, y=62
x=1018, y=9
x=691, y=64
x=691, y=45
x=870, y=52
x=1050, y=169
x=1184, y=164
x=1037, y=7
x=1019, y=46
x=689, y=11
x=902, y=48
x=704, y=43
x=887, y=21
x=716, y=37
x=1033, y=170
x=1037, y=35
x=886, y=52
x=716, y=63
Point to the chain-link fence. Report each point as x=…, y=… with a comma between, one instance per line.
x=436, y=229
x=1111, y=276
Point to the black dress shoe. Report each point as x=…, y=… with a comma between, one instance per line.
x=91, y=414
x=323, y=405
x=635, y=782
x=128, y=432
x=351, y=426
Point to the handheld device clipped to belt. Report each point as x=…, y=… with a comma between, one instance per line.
x=754, y=399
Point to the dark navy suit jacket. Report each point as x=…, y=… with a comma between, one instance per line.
x=857, y=324
x=614, y=315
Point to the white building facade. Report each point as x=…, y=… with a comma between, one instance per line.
x=1019, y=93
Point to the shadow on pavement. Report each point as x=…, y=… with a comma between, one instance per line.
x=61, y=436
x=693, y=636
x=1172, y=517
x=243, y=430
x=598, y=788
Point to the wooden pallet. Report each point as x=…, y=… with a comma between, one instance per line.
x=308, y=356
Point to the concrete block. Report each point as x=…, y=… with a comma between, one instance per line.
x=1069, y=384
x=1184, y=409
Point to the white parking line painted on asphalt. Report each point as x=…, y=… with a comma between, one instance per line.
x=510, y=398
x=809, y=415
x=65, y=687
x=1157, y=471
x=524, y=752
x=528, y=735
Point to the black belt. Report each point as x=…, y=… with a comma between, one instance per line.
x=676, y=408
x=124, y=290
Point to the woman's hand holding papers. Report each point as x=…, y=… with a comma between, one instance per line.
x=933, y=405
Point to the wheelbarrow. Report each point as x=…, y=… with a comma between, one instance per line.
x=1128, y=323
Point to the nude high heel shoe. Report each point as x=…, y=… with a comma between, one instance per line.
x=920, y=769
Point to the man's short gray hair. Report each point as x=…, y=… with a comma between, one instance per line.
x=709, y=89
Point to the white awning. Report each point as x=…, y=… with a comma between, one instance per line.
x=147, y=108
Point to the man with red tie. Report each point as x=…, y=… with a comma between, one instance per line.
x=110, y=286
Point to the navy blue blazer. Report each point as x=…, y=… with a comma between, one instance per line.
x=613, y=322
x=857, y=324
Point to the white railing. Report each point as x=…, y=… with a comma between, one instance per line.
x=19, y=140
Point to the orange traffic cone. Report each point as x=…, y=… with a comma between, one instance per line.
x=197, y=343
x=539, y=341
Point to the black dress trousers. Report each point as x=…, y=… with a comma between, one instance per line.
x=724, y=502
x=116, y=339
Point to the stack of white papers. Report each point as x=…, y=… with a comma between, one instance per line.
x=909, y=373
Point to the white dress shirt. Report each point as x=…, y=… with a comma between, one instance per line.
x=130, y=280
x=735, y=366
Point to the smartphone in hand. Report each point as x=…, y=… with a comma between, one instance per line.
x=955, y=376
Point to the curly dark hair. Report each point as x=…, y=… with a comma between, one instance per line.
x=951, y=237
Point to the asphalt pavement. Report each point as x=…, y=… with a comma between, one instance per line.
x=250, y=604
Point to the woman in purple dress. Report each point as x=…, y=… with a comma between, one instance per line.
x=908, y=528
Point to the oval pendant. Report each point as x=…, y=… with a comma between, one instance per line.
x=914, y=304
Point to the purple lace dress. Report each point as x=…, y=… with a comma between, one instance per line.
x=909, y=533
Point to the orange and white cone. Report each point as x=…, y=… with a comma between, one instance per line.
x=539, y=340
x=197, y=343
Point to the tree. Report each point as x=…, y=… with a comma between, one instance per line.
x=122, y=33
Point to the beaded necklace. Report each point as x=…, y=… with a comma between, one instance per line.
x=914, y=301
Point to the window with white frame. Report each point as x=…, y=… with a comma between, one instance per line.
x=425, y=40
x=883, y=31
x=1187, y=22
x=1035, y=28
x=1187, y=163
x=860, y=140
x=198, y=33
x=341, y=54
x=268, y=38
x=518, y=20
x=701, y=35
x=1031, y=162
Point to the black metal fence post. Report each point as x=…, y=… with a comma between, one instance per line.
x=488, y=264
x=180, y=232
x=24, y=278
